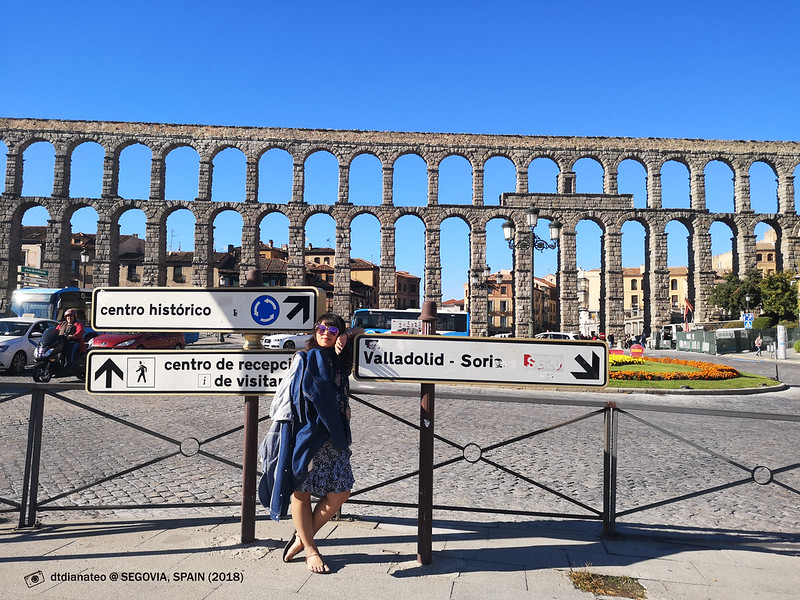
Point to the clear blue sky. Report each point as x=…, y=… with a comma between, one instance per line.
x=724, y=70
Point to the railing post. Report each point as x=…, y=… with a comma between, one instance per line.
x=30, y=485
x=610, y=470
x=426, y=413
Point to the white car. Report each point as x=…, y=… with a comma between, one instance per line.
x=18, y=339
x=557, y=335
x=286, y=341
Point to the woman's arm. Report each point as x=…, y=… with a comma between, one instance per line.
x=346, y=335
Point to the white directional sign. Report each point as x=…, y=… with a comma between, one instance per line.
x=432, y=359
x=197, y=372
x=245, y=309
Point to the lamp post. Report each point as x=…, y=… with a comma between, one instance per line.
x=534, y=242
x=84, y=262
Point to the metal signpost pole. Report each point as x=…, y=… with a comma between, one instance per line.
x=249, y=460
x=426, y=413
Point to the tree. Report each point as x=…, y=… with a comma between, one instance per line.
x=732, y=294
x=779, y=295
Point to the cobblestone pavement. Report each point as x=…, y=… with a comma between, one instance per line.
x=553, y=465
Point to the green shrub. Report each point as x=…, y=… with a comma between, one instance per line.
x=733, y=324
x=763, y=323
x=797, y=346
x=788, y=324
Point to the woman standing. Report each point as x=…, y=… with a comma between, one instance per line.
x=324, y=439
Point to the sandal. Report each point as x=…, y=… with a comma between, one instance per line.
x=324, y=569
x=288, y=547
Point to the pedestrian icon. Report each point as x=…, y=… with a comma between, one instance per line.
x=141, y=372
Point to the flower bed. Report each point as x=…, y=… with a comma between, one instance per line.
x=705, y=370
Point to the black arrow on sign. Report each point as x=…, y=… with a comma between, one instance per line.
x=590, y=371
x=301, y=303
x=109, y=368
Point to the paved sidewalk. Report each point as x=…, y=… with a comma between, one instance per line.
x=373, y=558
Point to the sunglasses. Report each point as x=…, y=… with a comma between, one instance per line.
x=334, y=331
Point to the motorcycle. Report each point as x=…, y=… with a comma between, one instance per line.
x=50, y=359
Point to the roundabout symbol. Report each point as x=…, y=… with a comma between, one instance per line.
x=265, y=310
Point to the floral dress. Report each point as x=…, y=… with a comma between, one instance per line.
x=330, y=470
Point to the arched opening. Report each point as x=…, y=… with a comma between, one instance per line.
x=543, y=176
x=674, y=185
x=632, y=179
x=366, y=181
x=39, y=163
x=182, y=166
x=86, y=171
x=275, y=172
x=409, y=250
x=719, y=187
x=228, y=176
x=365, y=261
x=499, y=176
x=763, y=188
x=588, y=176
x=321, y=178
x=130, y=250
x=135, y=164
x=410, y=181
x=455, y=180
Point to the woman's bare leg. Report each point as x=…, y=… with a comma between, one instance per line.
x=323, y=512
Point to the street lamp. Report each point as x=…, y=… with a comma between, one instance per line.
x=534, y=242
x=84, y=262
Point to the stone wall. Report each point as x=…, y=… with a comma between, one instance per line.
x=609, y=210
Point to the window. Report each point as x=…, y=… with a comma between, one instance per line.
x=503, y=306
x=503, y=291
x=770, y=258
x=673, y=285
x=634, y=284
x=635, y=301
x=759, y=257
x=413, y=288
x=503, y=321
x=132, y=275
x=491, y=305
x=674, y=301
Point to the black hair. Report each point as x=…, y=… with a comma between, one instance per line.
x=332, y=320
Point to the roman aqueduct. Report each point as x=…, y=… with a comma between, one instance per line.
x=609, y=210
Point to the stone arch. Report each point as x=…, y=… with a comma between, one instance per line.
x=43, y=174
x=81, y=168
x=229, y=175
x=626, y=178
x=410, y=188
x=189, y=156
x=365, y=181
x=455, y=184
